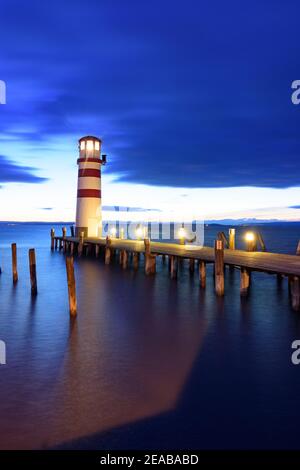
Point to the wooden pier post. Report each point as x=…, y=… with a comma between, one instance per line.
x=121, y=252
x=150, y=260
x=222, y=236
x=71, y=286
x=294, y=283
x=87, y=249
x=14, y=262
x=64, y=234
x=136, y=257
x=52, y=234
x=72, y=231
x=97, y=250
x=202, y=274
x=219, y=267
x=192, y=265
x=125, y=259
x=108, y=250
x=232, y=239
x=56, y=243
x=173, y=266
x=80, y=244
x=279, y=278
x=298, y=249
x=72, y=248
x=245, y=281
x=32, y=270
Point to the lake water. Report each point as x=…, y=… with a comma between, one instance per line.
x=149, y=363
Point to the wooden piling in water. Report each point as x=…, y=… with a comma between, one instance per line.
x=125, y=259
x=222, y=236
x=71, y=286
x=202, y=274
x=72, y=231
x=108, y=250
x=231, y=239
x=136, y=257
x=32, y=271
x=192, y=265
x=87, y=249
x=97, y=250
x=52, y=234
x=294, y=283
x=245, y=281
x=14, y=262
x=173, y=266
x=64, y=234
x=279, y=278
x=150, y=260
x=219, y=267
x=80, y=244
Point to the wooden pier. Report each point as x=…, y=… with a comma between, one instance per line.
x=280, y=265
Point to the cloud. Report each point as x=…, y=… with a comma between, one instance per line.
x=207, y=108
x=11, y=172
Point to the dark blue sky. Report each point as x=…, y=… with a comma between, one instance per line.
x=189, y=93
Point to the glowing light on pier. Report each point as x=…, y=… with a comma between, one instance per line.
x=182, y=235
x=139, y=232
x=250, y=237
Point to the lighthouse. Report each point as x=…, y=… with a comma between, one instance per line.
x=88, y=211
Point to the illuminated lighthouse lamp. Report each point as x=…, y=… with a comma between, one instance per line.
x=88, y=211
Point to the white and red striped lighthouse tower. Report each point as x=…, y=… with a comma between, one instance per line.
x=88, y=212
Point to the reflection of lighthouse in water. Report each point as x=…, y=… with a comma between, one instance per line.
x=88, y=212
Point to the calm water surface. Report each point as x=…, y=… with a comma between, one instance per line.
x=149, y=362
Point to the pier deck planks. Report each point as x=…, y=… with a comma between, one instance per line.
x=274, y=263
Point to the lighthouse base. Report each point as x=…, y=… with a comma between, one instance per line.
x=79, y=230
